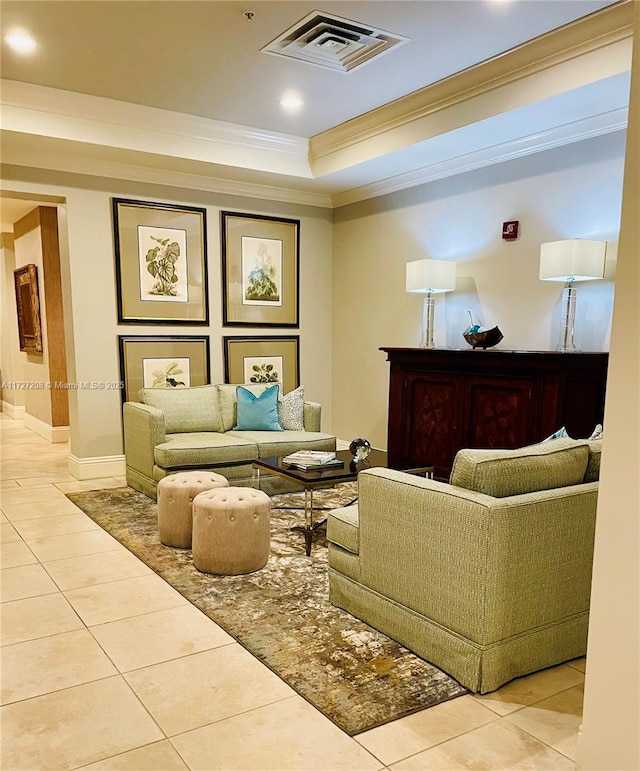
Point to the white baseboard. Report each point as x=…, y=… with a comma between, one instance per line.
x=14, y=411
x=342, y=444
x=53, y=434
x=96, y=468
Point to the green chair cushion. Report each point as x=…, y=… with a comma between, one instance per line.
x=501, y=473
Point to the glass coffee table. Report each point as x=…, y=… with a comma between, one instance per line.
x=317, y=478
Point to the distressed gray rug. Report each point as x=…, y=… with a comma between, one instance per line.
x=356, y=676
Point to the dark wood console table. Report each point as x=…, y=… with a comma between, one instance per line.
x=441, y=400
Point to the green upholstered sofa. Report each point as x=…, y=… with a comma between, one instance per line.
x=192, y=428
x=487, y=577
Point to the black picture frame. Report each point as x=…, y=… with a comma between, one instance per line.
x=171, y=230
x=136, y=350
x=249, y=241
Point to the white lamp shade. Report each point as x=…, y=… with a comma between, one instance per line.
x=575, y=259
x=431, y=276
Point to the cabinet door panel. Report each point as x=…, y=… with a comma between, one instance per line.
x=432, y=420
x=498, y=413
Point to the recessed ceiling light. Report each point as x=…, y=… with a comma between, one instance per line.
x=291, y=103
x=20, y=41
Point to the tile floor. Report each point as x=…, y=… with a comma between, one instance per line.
x=105, y=666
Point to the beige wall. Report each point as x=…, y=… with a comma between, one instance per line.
x=12, y=361
x=611, y=718
x=573, y=191
x=90, y=296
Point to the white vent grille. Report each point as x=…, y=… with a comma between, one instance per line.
x=332, y=42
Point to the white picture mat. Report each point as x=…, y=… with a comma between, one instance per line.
x=265, y=254
x=147, y=239
x=277, y=362
x=152, y=369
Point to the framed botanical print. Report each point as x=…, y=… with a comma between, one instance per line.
x=263, y=360
x=162, y=362
x=28, y=308
x=161, y=263
x=260, y=266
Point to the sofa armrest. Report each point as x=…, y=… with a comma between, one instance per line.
x=312, y=412
x=144, y=428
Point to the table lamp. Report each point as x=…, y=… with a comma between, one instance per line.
x=430, y=277
x=575, y=259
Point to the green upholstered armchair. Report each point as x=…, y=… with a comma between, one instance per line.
x=487, y=577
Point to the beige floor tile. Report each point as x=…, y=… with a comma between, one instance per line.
x=579, y=664
x=189, y=692
x=288, y=735
x=35, y=617
x=51, y=663
x=53, y=507
x=412, y=734
x=45, y=527
x=555, y=720
x=9, y=484
x=16, y=553
x=73, y=545
x=75, y=726
x=89, y=484
x=31, y=495
x=160, y=756
x=44, y=479
x=102, y=603
x=527, y=690
x=25, y=581
x=498, y=746
x=95, y=569
x=3, y=519
x=8, y=533
x=154, y=637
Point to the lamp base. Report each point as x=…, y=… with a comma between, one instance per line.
x=427, y=322
x=568, y=321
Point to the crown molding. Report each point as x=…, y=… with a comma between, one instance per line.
x=576, y=131
x=592, y=48
x=51, y=112
x=110, y=169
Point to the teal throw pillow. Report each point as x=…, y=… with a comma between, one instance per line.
x=258, y=413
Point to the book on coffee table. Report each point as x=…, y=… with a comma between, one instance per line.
x=316, y=466
x=308, y=460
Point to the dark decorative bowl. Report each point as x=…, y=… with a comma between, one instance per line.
x=486, y=339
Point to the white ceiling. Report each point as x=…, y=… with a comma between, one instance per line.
x=157, y=63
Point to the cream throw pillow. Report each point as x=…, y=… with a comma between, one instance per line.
x=291, y=410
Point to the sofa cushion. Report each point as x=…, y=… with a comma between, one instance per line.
x=203, y=449
x=278, y=443
x=513, y=472
x=186, y=409
x=257, y=413
x=227, y=396
x=343, y=528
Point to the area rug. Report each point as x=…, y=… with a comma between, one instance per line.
x=356, y=676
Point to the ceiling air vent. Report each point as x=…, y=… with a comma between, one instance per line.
x=332, y=42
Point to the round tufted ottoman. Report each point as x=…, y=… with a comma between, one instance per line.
x=175, y=504
x=231, y=530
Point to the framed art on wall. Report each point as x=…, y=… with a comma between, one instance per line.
x=263, y=360
x=260, y=264
x=161, y=262
x=28, y=308
x=162, y=362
